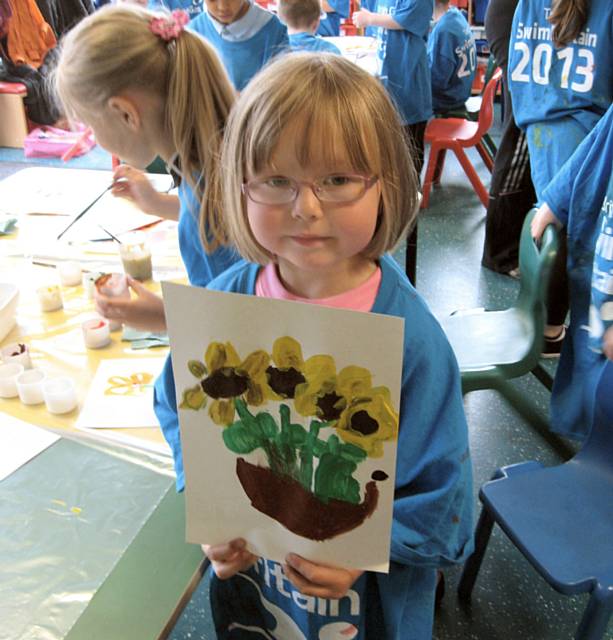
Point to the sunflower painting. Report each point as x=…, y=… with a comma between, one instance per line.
x=303, y=434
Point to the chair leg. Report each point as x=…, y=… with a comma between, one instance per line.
x=472, y=176
x=485, y=156
x=432, y=161
x=440, y=165
x=489, y=144
x=595, y=620
x=473, y=564
x=543, y=376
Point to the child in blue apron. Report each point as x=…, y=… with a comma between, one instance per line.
x=142, y=104
x=245, y=36
x=317, y=187
x=561, y=83
x=580, y=197
x=302, y=17
x=402, y=31
x=452, y=56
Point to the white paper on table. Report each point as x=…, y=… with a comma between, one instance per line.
x=218, y=507
x=121, y=394
x=61, y=194
x=20, y=442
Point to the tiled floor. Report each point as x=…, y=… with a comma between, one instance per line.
x=510, y=601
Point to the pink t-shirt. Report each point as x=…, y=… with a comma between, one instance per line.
x=362, y=298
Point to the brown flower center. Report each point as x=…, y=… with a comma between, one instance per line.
x=330, y=406
x=225, y=383
x=363, y=423
x=284, y=381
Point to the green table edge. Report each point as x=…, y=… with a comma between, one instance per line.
x=148, y=588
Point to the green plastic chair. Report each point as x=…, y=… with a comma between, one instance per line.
x=493, y=347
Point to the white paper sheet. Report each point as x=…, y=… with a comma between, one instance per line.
x=121, y=395
x=309, y=471
x=20, y=442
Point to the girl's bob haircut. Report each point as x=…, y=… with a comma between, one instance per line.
x=341, y=115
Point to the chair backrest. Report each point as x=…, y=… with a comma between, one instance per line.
x=598, y=449
x=535, y=263
x=486, y=113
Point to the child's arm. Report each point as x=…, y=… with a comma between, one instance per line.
x=365, y=18
x=543, y=217
x=607, y=343
x=581, y=182
x=433, y=504
x=319, y=580
x=230, y=558
x=145, y=312
x=132, y=184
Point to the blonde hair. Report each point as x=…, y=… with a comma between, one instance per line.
x=114, y=50
x=342, y=114
x=299, y=14
x=568, y=18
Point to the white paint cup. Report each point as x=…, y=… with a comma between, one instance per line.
x=60, y=395
x=30, y=386
x=50, y=297
x=17, y=352
x=8, y=379
x=70, y=273
x=96, y=333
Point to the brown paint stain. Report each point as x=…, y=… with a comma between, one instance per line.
x=289, y=503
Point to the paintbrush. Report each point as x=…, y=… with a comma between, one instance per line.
x=87, y=208
x=108, y=233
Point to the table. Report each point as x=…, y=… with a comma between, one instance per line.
x=92, y=534
x=92, y=546
x=55, y=338
x=361, y=50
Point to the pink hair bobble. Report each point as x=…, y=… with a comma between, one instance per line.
x=169, y=27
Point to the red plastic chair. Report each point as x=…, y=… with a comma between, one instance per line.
x=458, y=134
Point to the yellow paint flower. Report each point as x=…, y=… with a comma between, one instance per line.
x=287, y=374
x=369, y=421
x=229, y=378
x=363, y=414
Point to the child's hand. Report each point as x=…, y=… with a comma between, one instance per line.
x=145, y=312
x=132, y=184
x=362, y=18
x=230, y=558
x=317, y=579
x=607, y=343
x=543, y=217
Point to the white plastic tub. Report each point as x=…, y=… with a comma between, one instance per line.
x=9, y=297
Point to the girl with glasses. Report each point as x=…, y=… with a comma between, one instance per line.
x=317, y=187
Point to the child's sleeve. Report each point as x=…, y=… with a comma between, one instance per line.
x=583, y=178
x=442, y=65
x=340, y=6
x=413, y=15
x=165, y=407
x=433, y=504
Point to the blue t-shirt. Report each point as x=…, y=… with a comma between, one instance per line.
x=404, y=69
x=432, y=522
x=548, y=83
x=244, y=58
x=331, y=25
x=193, y=7
x=201, y=269
x=581, y=196
x=308, y=42
x=452, y=56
